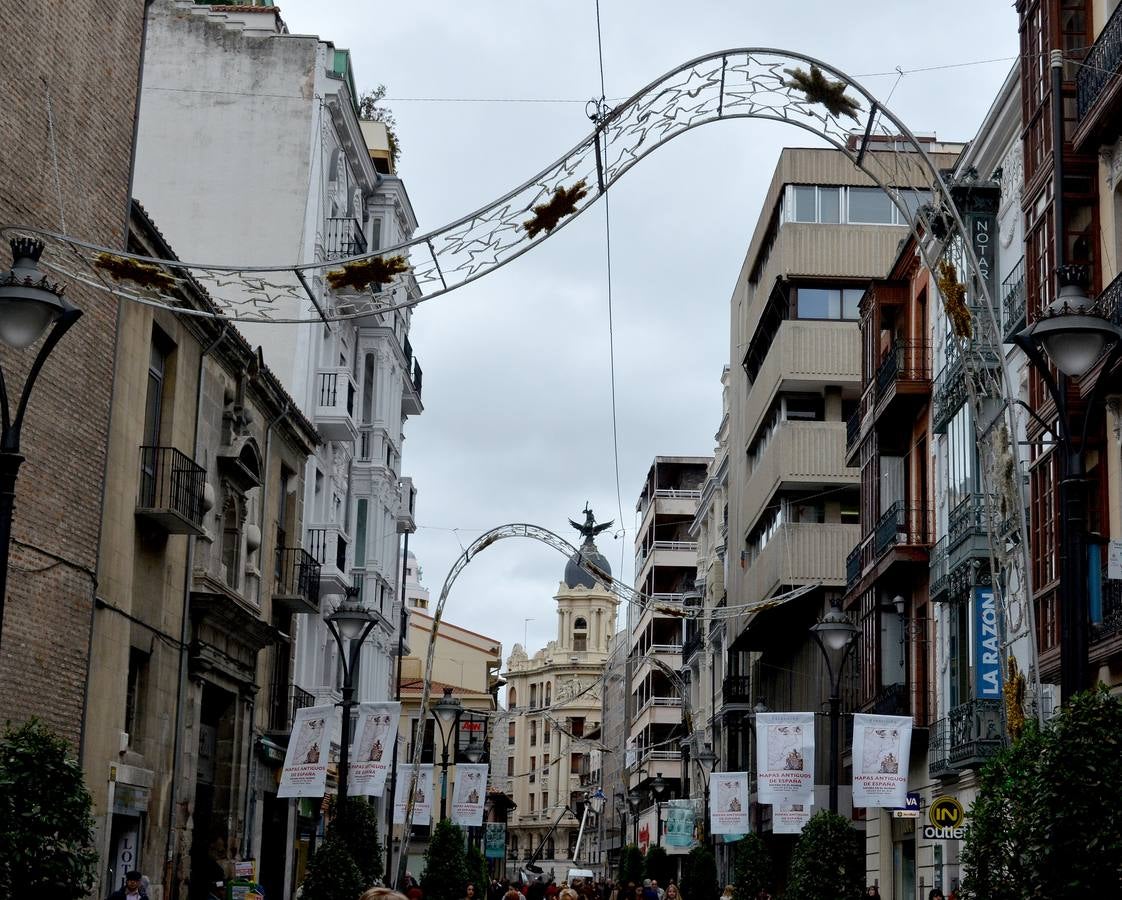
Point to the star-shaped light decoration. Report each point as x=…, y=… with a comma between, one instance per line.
x=819, y=89
x=145, y=274
x=563, y=203
x=954, y=296
x=376, y=270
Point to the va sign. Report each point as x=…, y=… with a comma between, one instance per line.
x=987, y=646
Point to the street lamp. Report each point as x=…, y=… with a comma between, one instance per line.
x=446, y=711
x=633, y=800
x=835, y=635
x=621, y=811
x=706, y=760
x=659, y=787
x=1072, y=333
x=349, y=624
x=29, y=305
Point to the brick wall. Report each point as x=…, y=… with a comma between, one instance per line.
x=86, y=54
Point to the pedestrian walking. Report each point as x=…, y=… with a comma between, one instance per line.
x=132, y=889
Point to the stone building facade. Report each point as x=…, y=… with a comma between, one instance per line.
x=190, y=697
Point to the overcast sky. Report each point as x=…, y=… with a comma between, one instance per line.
x=517, y=421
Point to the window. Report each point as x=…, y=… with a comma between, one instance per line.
x=511, y=731
x=805, y=205
x=548, y=693
x=829, y=205
x=533, y=733
x=360, y=532
x=531, y=802
x=545, y=763
x=368, y=390
x=134, y=693
x=961, y=449
x=828, y=303
x=805, y=408
x=574, y=763
x=533, y=696
x=286, y=476
x=545, y=801
x=580, y=635
x=545, y=733
x=510, y=766
x=533, y=764
x=511, y=699
x=869, y=206
x=232, y=542
x=576, y=726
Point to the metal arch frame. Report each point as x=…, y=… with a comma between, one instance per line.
x=481, y=543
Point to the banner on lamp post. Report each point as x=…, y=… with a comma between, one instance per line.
x=790, y=818
x=305, y=762
x=728, y=803
x=682, y=826
x=373, y=748
x=468, y=793
x=785, y=757
x=422, y=796
x=881, y=747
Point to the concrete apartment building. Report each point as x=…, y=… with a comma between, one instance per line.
x=50, y=112
x=824, y=231
x=283, y=169
x=202, y=580
x=665, y=571
x=553, y=703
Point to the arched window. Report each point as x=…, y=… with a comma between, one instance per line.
x=511, y=698
x=580, y=635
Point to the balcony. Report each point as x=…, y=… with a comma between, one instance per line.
x=736, y=689
x=893, y=700
x=296, y=580
x=853, y=566
x=328, y=546
x=939, y=577
x=1098, y=87
x=903, y=384
x=692, y=645
x=282, y=710
x=1109, y=301
x=806, y=455
x=171, y=490
x=1111, y=625
x=1013, y=302
x=967, y=520
x=966, y=738
x=950, y=391
x=901, y=525
x=406, y=506
x=411, y=395
x=335, y=404
x=343, y=238
x=670, y=553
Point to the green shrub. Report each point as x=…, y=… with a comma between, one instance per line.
x=699, y=875
x=657, y=865
x=332, y=872
x=631, y=865
x=358, y=830
x=752, y=867
x=1047, y=821
x=46, y=830
x=828, y=862
x=446, y=871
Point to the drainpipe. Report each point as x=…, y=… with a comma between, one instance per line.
x=172, y=849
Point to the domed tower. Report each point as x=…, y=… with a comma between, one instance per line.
x=586, y=606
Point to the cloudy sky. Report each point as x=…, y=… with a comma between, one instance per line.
x=517, y=423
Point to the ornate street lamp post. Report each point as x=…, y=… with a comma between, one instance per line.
x=446, y=711
x=835, y=635
x=349, y=625
x=1072, y=334
x=29, y=306
x=706, y=760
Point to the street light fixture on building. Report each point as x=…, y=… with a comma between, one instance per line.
x=835, y=635
x=349, y=624
x=29, y=306
x=1073, y=334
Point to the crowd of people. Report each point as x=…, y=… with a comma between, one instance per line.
x=548, y=889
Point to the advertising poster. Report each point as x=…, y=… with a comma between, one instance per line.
x=881, y=746
x=987, y=646
x=494, y=840
x=785, y=757
x=469, y=791
x=790, y=818
x=422, y=796
x=728, y=803
x=682, y=826
x=372, y=751
x=309, y=746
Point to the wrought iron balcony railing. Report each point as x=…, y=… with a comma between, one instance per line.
x=328, y=546
x=736, y=689
x=1013, y=301
x=892, y=700
x=939, y=570
x=343, y=237
x=853, y=428
x=1109, y=302
x=853, y=567
x=1101, y=65
x=902, y=525
x=1111, y=623
x=297, y=575
x=976, y=732
x=966, y=519
x=171, y=490
x=286, y=700
x=905, y=361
